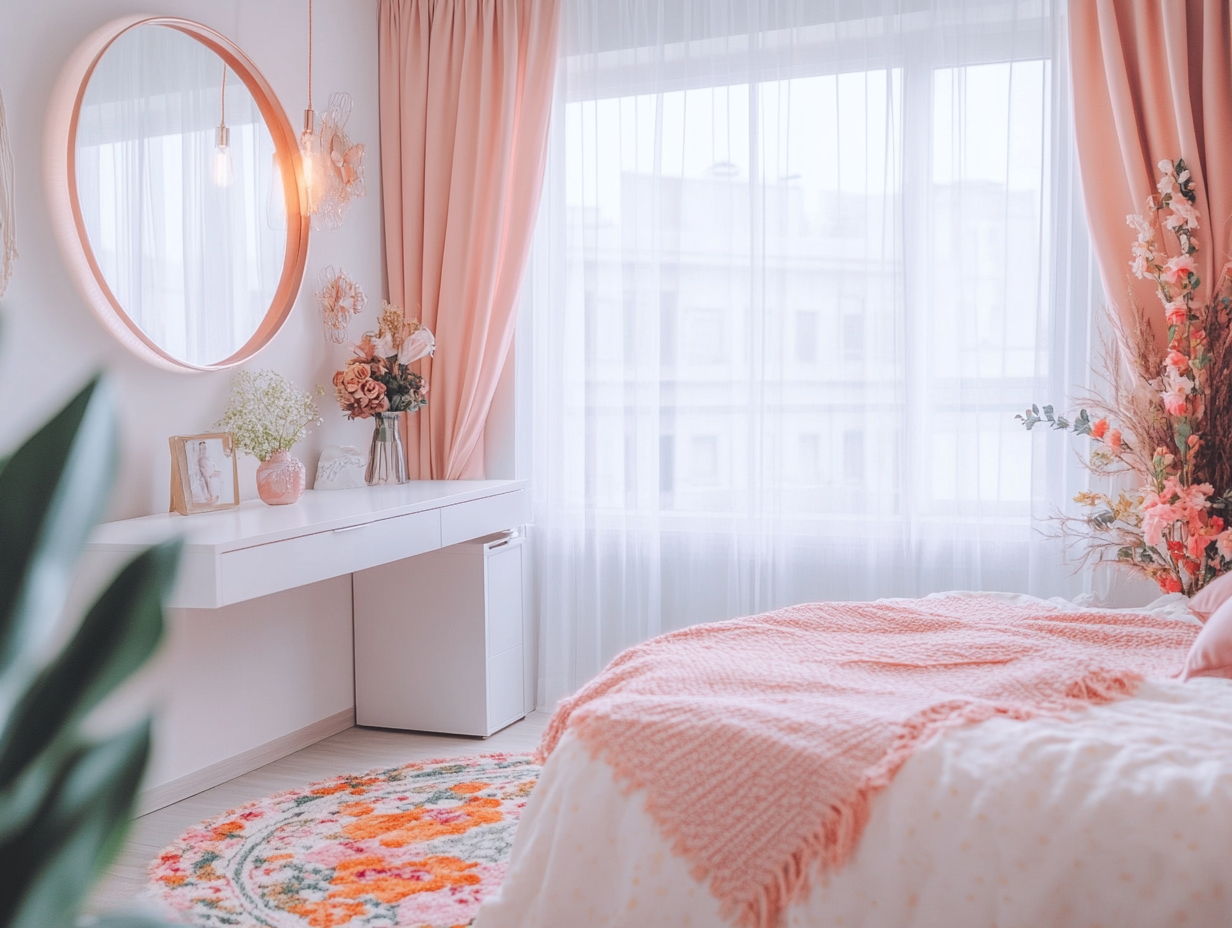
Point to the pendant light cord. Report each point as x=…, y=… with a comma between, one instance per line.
x=309, y=54
x=222, y=116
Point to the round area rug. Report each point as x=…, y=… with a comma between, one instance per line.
x=420, y=845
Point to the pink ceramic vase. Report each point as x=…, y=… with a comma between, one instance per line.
x=280, y=479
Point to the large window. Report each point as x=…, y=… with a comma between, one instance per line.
x=791, y=284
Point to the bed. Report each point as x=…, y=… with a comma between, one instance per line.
x=1119, y=814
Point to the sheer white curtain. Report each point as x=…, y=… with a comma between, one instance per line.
x=797, y=266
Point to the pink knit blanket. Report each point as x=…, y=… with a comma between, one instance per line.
x=761, y=741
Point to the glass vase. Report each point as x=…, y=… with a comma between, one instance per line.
x=386, y=462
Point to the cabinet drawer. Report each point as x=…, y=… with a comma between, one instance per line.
x=480, y=517
x=250, y=572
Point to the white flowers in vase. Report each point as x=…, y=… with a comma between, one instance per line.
x=267, y=416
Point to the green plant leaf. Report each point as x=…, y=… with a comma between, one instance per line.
x=1030, y=418
x=52, y=492
x=1104, y=519
x=47, y=870
x=117, y=636
x=24, y=795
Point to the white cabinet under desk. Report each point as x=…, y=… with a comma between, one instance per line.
x=240, y=554
x=438, y=639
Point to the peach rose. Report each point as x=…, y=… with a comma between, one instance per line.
x=373, y=390
x=351, y=380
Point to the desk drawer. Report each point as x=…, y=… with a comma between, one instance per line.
x=258, y=571
x=479, y=517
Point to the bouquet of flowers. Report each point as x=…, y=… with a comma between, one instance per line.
x=379, y=378
x=266, y=414
x=1167, y=423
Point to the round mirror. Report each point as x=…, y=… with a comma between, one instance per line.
x=178, y=190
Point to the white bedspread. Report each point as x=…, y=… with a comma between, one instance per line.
x=1120, y=817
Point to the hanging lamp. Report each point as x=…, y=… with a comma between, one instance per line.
x=224, y=168
x=310, y=141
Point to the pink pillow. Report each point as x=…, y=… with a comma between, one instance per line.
x=1212, y=596
x=1211, y=654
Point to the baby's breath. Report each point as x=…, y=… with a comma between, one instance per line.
x=266, y=413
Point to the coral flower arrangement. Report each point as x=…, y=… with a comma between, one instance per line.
x=1160, y=427
x=378, y=378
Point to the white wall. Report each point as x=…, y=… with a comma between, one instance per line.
x=242, y=676
x=42, y=312
x=292, y=668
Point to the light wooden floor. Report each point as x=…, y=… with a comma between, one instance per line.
x=353, y=751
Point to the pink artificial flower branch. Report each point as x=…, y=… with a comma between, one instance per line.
x=1172, y=528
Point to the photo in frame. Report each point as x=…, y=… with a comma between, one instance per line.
x=204, y=474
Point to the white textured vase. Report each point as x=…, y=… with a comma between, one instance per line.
x=280, y=479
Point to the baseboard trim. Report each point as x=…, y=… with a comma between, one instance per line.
x=156, y=797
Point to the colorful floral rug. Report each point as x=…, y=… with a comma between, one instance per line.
x=420, y=845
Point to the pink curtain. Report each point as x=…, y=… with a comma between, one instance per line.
x=466, y=90
x=1152, y=80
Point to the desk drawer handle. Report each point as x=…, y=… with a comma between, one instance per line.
x=350, y=528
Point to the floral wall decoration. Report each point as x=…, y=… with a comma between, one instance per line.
x=341, y=300
x=8, y=233
x=342, y=165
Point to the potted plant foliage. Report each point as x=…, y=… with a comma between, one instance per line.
x=66, y=795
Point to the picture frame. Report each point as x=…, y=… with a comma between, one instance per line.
x=204, y=473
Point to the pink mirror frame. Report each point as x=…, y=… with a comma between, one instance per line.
x=61, y=182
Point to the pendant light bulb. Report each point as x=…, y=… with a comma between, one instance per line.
x=224, y=168
x=309, y=151
x=309, y=142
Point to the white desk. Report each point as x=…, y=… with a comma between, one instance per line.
x=240, y=554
